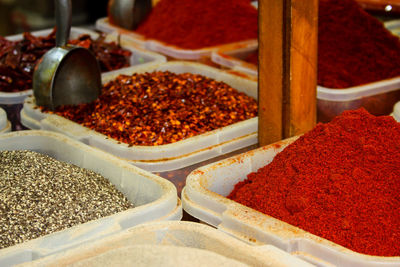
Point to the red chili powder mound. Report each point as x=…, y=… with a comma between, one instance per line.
x=354, y=48
x=340, y=181
x=194, y=24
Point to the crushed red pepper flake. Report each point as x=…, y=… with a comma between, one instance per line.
x=158, y=108
x=19, y=58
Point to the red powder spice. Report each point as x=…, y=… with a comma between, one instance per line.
x=194, y=24
x=340, y=181
x=354, y=48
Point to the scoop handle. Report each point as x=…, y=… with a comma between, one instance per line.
x=63, y=21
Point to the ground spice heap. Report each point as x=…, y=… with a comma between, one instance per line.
x=19, y=58
x=194, y=24
x=161, y=107
x=40, y=195
x=354, y=48
x=340, y=181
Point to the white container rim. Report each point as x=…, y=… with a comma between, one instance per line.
x=178, y=234
x=358, y=92
x=155, y=198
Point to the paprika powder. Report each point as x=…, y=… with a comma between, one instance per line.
x=340, y=181
x=194, y=24
x=354, y=48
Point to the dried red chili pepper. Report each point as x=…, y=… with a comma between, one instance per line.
x=340, y=181
x=161, y=107
x=194, y=24
x=18, y=58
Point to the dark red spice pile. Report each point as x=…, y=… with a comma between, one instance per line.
x=161, y=107
x=354, y=48
x=340, y=181
x=19, y=58
x=194, y=24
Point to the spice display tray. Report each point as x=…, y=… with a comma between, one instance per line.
x=104, y=25
x=204, y=198
x=396, y=111
x=154, y=198
x=5, y=125
x=378, y=98
x=177, y=235
x=139, y=56
x=163, y=157
x=234, y=59
x=393, y=26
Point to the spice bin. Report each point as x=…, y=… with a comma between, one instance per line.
x=204, y=198
x=5, y=125
x=104, y=25
x=162, y=157
x=154, y=198
x=139, y=56
x=378, y=98
x=235, y=59
x=174, y=237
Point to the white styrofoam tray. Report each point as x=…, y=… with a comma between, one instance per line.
x=204, y=198
x=233, y=58
x=139, y=56
x=177, y=235
x=104, y=25
x=5, y=125
x=155, y=198
x=164, y=157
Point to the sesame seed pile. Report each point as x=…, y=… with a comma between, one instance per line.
x=40, y=195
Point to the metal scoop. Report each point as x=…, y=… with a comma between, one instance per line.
x=66, y=74
x=128, y=14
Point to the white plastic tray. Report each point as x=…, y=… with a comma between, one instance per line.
x=103, y=25
x=234, y=59
x=5, y=125
x=154, y=198
x=139, y=56
x=396, y=111
x=164, y=157
x=204, y=198
x=178, y=235
x=393, y=26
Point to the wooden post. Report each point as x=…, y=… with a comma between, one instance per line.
x=288, y=36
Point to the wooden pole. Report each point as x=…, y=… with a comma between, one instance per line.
x=288, y=35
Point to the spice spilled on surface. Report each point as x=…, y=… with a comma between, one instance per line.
x=340, y=181
x=161, y=107
x=40, y=195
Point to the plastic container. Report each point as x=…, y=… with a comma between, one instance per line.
x=378, y=98
x=396, y=111
x=204, y=198
x=5, y=125
x=235, y=59
x=175, y=235
x=154, y=198
x=164, y=157
x=104, y=25
x=139, y=56
x=393, y=26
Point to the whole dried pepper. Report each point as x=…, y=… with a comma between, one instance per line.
x=18, y=58
x=161, y=107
